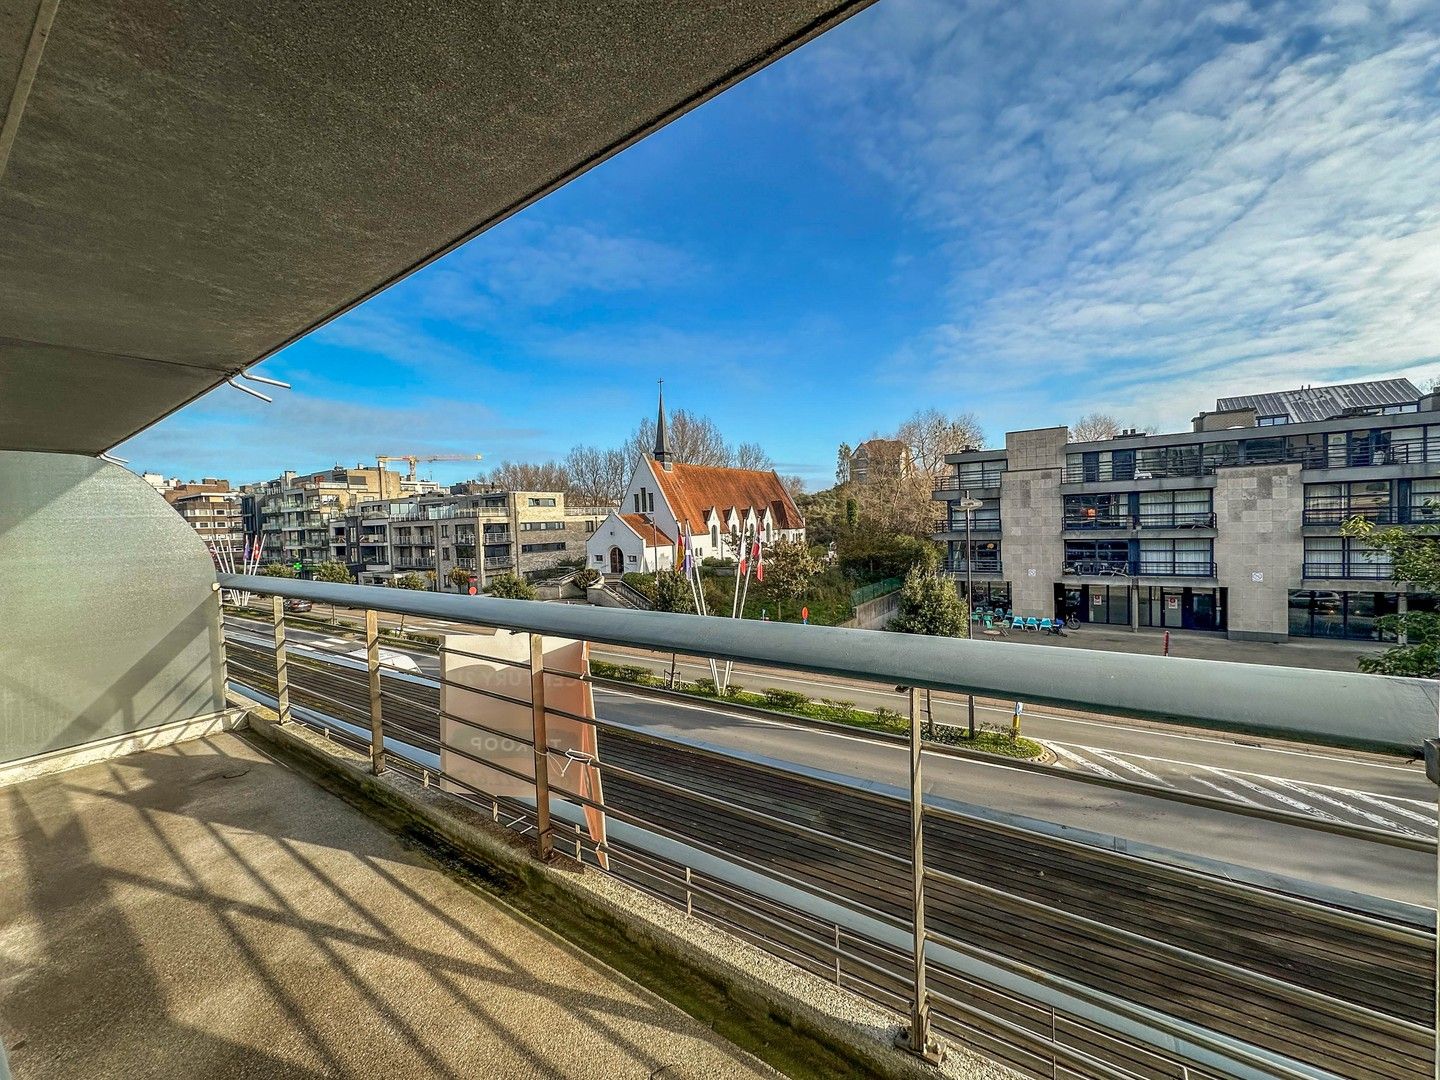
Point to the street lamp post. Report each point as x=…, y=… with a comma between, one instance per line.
x=969, y=505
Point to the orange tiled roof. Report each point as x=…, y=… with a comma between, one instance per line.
x=693, y=490
x=644, y=528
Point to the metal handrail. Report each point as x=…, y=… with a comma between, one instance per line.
x=1314, y=704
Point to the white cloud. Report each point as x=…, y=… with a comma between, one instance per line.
x=1153, y=204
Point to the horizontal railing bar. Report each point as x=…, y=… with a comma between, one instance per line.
x=1118, y=783
x=1122, y=1007
x=1312, y=703
x=1224, y=969
x=1282, y=900
x=761, y=816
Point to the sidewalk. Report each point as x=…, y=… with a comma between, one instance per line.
x=1299, y=653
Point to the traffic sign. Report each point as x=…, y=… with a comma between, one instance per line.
x=970, y=504
x=473, y=590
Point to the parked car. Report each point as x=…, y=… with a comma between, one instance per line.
x=297, y=605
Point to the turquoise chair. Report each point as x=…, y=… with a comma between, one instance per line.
x=1032, y=623
x=1046, y=624
x=989, y=622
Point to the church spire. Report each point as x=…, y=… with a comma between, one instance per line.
x=662, y=453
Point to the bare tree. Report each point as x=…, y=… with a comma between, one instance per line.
x=795, y=485
x=529, y=476
x=597, y=477
x=694, y=440
x=749, y=455
x=930, y=435
x=1094, y=427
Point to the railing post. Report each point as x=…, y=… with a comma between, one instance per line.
x=372, y=662
x=541, y=747
x=282, y=663
x=917, y=1038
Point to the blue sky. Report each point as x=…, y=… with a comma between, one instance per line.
x=1026, y=210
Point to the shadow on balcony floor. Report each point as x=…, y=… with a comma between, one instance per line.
x=206, y=911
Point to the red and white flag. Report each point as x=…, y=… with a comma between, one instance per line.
x=759, y=555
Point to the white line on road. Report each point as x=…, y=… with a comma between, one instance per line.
x=1235, y=795
x=1084, y=763
x=1384, y=823
x=1294, y=804
x=1390, y=803
x=1116, y=760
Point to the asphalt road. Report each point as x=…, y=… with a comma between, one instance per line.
x=1325, y=783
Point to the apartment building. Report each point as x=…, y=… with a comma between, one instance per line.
x=1231, y=527
x=216, y=516
x=293, y=513
x=519, y=532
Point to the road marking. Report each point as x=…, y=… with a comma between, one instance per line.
x=1294, y=804
x=1084, y=763
x=1388, y=803
x=1234, y=795
x=1384, y=823
x=1267, y=777
x=1119, y=762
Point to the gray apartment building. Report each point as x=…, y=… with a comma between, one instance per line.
x=520, y=532
x=1231, y=527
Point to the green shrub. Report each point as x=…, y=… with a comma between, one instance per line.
x=892, y=718
x=838, y=712
x=706, y=686
x=785, y=699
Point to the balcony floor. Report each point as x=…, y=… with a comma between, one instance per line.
x=206, y=911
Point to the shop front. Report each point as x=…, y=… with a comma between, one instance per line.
x=1166, y=607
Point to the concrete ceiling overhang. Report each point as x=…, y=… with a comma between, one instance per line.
x=187, y=186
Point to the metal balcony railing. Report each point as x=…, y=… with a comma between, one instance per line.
x=1146, y=567
x=978, y=567
x=899, y=897
x=982, y=523
x=1354, y=456
x=1323, y=513
x=952, y=491
x=1354, y=568
x=1179, y=519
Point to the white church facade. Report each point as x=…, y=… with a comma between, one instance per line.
x=648, y=530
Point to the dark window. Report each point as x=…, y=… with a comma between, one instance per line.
x=542, y=502
x=528, y=548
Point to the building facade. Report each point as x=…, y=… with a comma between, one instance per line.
x=877, y=460
x=1232, y=527
x=213, y=510
x=528, y=533
x=714, y=505
x=296, y=514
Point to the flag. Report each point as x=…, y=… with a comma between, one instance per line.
x=687, y=551
x=759, y=562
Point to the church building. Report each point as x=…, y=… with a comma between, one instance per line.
x=647, y=532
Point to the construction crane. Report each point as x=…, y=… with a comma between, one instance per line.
x=414, y=459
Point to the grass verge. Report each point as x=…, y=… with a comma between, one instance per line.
x=987, y=739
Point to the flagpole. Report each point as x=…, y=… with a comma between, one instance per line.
x=697, y=589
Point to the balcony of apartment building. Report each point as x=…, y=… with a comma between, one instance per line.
x=980, y=478
x=235, y=846
x=985, y=521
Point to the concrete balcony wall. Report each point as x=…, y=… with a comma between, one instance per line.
x=110, y=620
